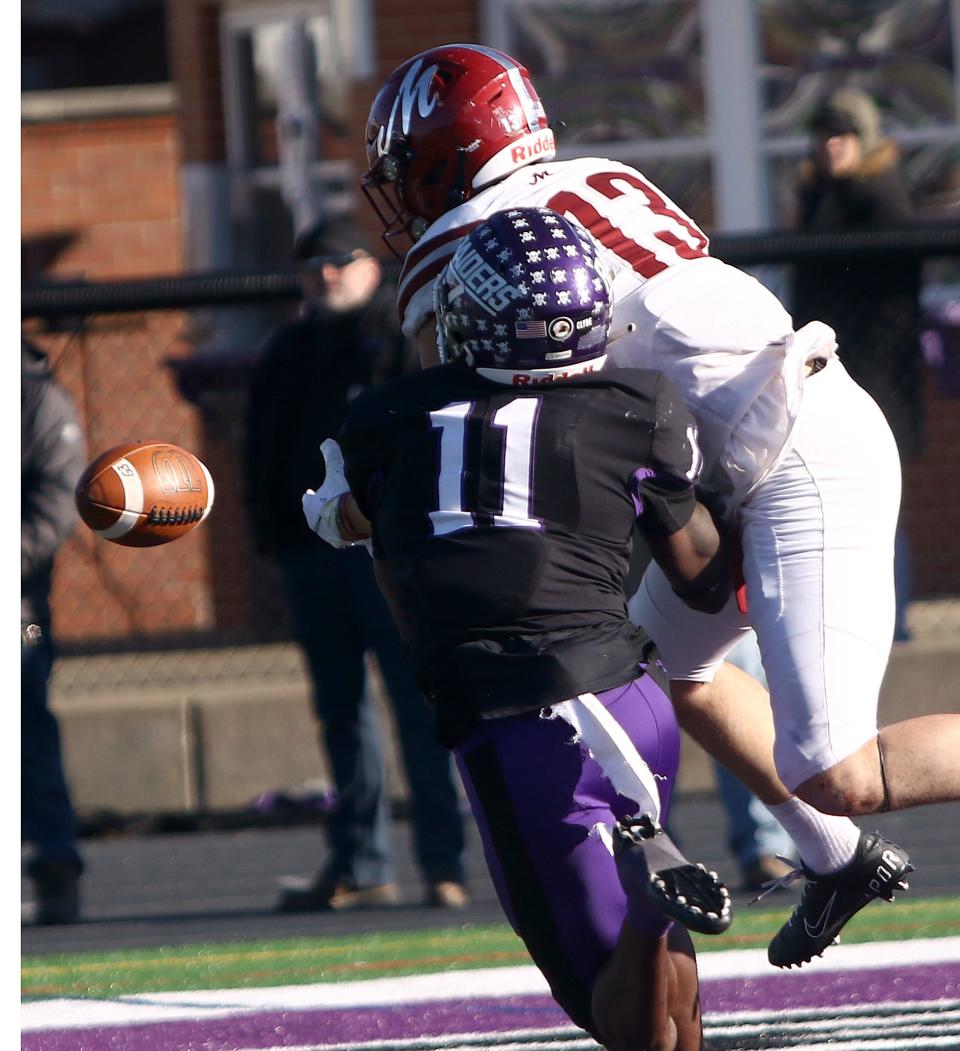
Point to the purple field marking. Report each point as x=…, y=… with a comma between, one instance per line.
x=284, y=1028
x=287, y=1028
x=936, y=981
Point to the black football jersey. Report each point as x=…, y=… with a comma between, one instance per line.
x=505, y=515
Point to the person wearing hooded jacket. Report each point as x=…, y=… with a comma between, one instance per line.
x=854, y=182
x=51, y=461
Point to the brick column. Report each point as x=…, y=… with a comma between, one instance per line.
x=196, y=68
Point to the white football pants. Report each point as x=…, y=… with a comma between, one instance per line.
x=817, y=538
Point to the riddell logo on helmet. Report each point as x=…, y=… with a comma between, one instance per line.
x=525, y=379
x=532, y=149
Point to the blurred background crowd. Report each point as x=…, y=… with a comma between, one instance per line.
x=175, y=152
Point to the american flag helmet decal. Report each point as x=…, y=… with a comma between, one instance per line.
x=524, y=293
x=530, y=329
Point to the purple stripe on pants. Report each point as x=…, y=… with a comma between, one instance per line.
x=536, y=796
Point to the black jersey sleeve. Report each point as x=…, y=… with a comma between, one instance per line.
x=663, y=489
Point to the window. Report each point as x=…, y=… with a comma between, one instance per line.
x=626, y=80
x=288, y=71
x=900, y=51
x=90, y=44
x=711, y=99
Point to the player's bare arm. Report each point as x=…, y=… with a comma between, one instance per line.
x=352, y=524
x=695, y=562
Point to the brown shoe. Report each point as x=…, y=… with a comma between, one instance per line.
x=383, y=895
x=322, y=896
x=765, y=868
x=447, y=895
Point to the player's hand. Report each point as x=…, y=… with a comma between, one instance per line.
x=322, y=514
x=334, y=480
x=322, y=508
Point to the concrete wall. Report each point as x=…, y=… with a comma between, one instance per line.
x=239, y=723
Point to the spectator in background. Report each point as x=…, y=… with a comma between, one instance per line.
x=853, y=182
x=755, y=837
x=51, y=461
x=346, y=339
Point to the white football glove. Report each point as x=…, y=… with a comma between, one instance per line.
x=320, y=506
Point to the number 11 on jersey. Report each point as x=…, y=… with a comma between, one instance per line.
x=517, y=419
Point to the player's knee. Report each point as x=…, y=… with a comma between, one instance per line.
x=852, y=788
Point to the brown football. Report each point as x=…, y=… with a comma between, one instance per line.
x=144, y=493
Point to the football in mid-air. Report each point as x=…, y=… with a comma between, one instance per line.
x=144, y=493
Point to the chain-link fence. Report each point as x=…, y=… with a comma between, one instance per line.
x=170, y=360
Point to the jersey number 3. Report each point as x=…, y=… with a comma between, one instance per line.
x=690, y=244
x=517, y=419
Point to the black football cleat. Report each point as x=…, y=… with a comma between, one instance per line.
x=878, y=870
x=649, y=863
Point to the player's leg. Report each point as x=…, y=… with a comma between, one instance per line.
x=728, y=713
x=819, y=571
x=666, y=966
x=920, y=761
x=819, y=582
x=722, y=708
x=543, y=808
x=730, y=718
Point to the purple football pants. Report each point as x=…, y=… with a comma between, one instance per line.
x=536, y=796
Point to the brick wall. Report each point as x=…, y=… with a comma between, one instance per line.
x=931, y=493
x=114, y=369
x=108, y=191
x=112, y=185
x=193, y=31
x=404, y=27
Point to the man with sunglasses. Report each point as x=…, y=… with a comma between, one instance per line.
x=346, y=339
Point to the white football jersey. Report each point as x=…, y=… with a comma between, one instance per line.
x=722, y=337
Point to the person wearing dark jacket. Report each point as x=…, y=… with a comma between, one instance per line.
x=853, y=183
x=347, y=339
x=51, y=461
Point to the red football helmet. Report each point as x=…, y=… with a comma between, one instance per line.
x=446, y=123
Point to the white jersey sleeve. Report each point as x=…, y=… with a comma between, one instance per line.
x=423, y=263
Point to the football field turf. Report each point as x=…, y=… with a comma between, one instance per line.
x=893, y=983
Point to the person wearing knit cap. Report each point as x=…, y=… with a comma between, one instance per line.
x=853, y=182
x=849, y=111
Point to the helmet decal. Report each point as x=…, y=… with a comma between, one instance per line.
x=524, y=299
x=415, y=87
x=560, y=329
x=445, y=124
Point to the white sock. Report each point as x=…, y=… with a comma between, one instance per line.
x=826, y=842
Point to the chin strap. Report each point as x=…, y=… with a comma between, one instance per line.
x=885, y=809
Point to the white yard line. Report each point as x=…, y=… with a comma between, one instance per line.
x=458, y=985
